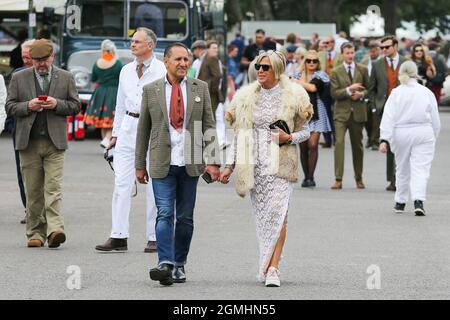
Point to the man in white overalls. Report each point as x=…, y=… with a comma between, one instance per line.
x=134, y=76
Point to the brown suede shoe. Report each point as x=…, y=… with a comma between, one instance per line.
x=113, y=244
x=56, y=238
x=151, y=247
x=34, y=243
x=360, y=184
x=337, y=185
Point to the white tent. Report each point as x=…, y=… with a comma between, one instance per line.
x=22, y=5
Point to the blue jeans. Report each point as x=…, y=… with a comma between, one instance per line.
x=177, y=187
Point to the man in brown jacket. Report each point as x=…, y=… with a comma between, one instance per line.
x=349, y=82
x=40, y=98
x=211, y=73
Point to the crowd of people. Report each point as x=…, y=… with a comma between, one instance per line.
x=281, y=96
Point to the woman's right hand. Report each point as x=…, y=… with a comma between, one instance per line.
x=383, y=147
x=225, y=175
x=112, y=142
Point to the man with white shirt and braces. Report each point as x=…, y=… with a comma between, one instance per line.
x=145, y=69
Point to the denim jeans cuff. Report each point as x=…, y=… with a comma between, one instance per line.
x=180, y=264
x=166, y=262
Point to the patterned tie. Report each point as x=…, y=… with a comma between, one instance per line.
x=349, y=72
x=392, y=64
x=45, y=83
x=139, y=70
x=176, y=106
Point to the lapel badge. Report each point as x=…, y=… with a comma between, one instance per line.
x=197, y=99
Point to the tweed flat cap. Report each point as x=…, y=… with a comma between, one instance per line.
x=199, y=44
x=41, y=48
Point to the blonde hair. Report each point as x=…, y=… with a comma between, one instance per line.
x=302, y=67
x=277, y=60
x=408, y=70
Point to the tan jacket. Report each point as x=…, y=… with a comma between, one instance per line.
x=296, y=109
x=22, y=89
x=153, y=129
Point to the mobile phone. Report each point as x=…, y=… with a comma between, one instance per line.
x=42, y=98
x=207, y=177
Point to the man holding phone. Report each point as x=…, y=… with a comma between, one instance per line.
x=40, y=98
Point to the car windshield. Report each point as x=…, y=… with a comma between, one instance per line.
x=167, y=19
x=108, y=19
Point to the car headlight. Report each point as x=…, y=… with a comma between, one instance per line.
x=82, y=77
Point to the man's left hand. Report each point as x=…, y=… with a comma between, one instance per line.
x=357, y=95
x=213, y=171
x=50, y=103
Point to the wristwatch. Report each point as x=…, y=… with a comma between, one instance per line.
x=290, y=140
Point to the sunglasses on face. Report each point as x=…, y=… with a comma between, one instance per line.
x=265, y=67
x=312, y=61
x=418, y=50
x=385, y=47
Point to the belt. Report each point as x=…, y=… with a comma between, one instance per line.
x=132, y=114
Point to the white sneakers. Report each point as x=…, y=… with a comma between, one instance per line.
x=273, y=277
x=105, y=142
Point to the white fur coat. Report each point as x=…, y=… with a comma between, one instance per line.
x=284, y=161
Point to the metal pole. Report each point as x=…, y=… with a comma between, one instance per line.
x=30, y=10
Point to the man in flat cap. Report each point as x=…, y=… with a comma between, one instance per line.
x=198, y=50
x=40, y=98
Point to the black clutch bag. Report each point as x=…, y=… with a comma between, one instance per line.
x=282, y=125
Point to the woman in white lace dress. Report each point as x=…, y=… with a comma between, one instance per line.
x=265, y=160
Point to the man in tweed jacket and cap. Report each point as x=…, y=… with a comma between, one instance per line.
x=40, y=98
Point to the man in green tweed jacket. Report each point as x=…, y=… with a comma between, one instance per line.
x=175, y=122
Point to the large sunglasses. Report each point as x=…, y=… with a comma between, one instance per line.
x=265, y=67
x=386, y=47
x=418, y=50
x=312, y=61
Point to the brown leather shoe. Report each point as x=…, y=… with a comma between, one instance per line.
x=56, y=238
x=34, y=243
x=360, y=184
x=337, y=185
x=113, y=244
x=151, y=247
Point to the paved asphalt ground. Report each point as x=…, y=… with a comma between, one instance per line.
x=333, y=238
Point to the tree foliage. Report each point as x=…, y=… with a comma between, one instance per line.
x=427, y=14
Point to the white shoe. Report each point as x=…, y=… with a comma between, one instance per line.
x=273, y=277
x=105, y=142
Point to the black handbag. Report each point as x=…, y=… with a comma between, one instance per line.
x=282, y=125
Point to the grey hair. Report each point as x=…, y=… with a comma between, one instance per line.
x=108, y=45
x=27, y=44
x=277, y=60
x=151, y=36
x=408, y=70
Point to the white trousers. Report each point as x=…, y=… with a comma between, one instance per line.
x=220, y=125
x=414, y=152
x=125, y=176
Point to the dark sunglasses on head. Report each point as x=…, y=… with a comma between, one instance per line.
x=265, y=67
x=312, y=60
x=385, y=47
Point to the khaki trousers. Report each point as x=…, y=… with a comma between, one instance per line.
x=356, y=136
x=42, y=169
